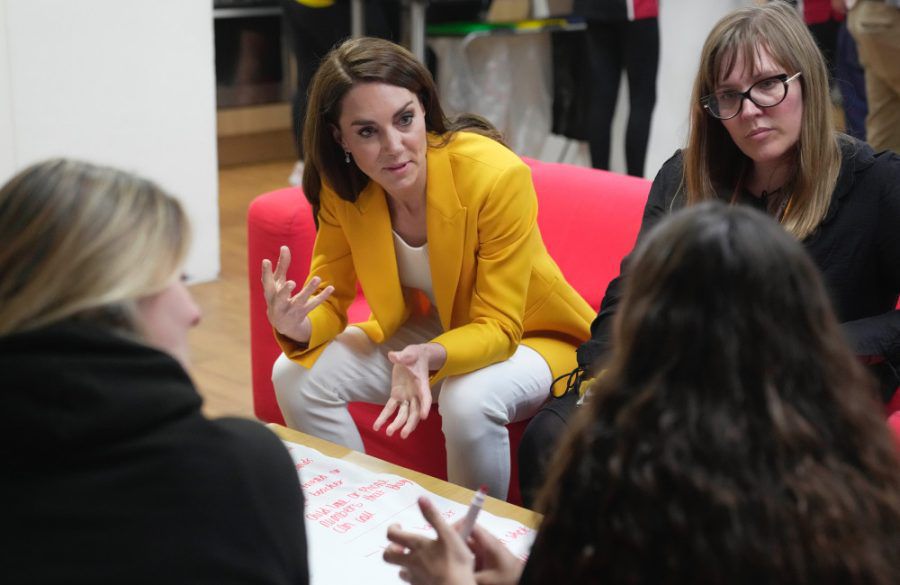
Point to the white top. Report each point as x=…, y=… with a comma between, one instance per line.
x=414, y=266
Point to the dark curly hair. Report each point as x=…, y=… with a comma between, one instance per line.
x=734, y=437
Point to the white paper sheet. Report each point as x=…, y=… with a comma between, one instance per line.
x=348, y=510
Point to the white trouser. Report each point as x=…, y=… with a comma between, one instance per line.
x=475, y=407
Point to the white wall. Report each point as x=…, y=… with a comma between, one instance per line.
x=7, y=163
x=684, y=25
x=128, y=83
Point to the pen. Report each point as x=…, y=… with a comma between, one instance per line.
x=468, y=522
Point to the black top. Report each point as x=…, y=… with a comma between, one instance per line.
x=616, y=10
x=111, y=474
x=857, y=248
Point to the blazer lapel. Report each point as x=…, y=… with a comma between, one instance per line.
x=445, y=219
x=368, y=230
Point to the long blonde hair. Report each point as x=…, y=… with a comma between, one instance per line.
x=83, y=240
x=711, y=158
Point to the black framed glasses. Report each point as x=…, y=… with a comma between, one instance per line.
x=765, y=93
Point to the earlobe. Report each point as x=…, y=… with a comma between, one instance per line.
x=336, y=134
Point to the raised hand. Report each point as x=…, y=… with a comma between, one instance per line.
x=410, y=391
x=286, y=313
x=494, y=563
x=445, y=561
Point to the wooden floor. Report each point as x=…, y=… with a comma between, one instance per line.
x=220, y=345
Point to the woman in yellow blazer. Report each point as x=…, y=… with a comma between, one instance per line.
x=439, y=227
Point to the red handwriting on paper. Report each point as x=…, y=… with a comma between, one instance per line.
x=372, y=491
x=319, y=512
x=313, y=481
x=445, y=514
x=397, y=485
x=322, y=490
x=338, y=517
x=365, y=517
x=303, y=463
x=513, y=535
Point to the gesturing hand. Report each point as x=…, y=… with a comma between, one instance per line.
x=410, y=392
x=286, y=313
x=445, y=561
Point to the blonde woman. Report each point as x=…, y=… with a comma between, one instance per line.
x=762, y=134
x=111, y=472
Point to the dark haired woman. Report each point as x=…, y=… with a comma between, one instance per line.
x=762, y=135
x=437, y=222
x=752, y=450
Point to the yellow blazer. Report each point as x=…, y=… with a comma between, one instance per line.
x=495, y=285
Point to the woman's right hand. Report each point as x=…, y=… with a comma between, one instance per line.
x=289, y=314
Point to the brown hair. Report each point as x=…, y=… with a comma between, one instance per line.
x=711, y=158
x=734, y=437
x=78, y=239
x=356, y=61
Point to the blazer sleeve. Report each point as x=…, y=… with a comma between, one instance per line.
x=333, y=263
x=876, y=339
x=508, y=239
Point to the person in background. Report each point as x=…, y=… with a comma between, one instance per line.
x=315, y=27
x=823, y=19
x=111, y=472
x=762, y=134
x=850, y=78
x=876, y=27
x=437, y=221
x=621, y=34
x=734, y=438
x=827, y=23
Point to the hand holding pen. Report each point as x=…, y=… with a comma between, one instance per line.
x=446, y=560
x=465, y=553
x=468, y=522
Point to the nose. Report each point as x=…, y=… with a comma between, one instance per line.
x=196, y=314
x=391, y=142
x=192, y=311
x=749, y=109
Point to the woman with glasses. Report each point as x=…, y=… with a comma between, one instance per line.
x=762, y=134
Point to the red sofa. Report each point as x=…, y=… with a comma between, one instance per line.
x=589, y=220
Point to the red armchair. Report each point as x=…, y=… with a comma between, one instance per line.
x=589, y=220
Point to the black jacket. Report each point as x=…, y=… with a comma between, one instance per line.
x=111, y=474
x=857, y=248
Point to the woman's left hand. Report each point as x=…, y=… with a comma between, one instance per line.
x=410, y=390
x=445, y=561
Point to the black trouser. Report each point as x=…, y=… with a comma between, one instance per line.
x=539, y=443
x=315, y=31
x=613, y=46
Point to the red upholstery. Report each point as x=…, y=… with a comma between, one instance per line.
x=588, y=218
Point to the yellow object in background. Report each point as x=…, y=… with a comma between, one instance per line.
x=316, y=3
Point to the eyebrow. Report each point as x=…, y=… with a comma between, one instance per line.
x=402, y=109
x=760, y=75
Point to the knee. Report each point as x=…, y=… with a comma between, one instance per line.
x=465, y=409
x=540, y=437
x=536, y=449
x=287, y=377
